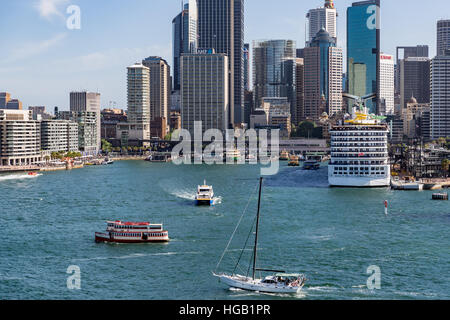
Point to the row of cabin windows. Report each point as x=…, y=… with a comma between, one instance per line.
x=137, y=234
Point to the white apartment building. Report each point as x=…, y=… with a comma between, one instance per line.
x=387, y=84
x=20, y=138
x=59, y=135
x=137, y=126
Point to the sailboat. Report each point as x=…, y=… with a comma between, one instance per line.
x=279, y=282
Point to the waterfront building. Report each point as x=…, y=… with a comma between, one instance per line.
x=221, y=27
x=59, y=135
x=322, y=18
x=443, y=36
x=387, y=86
x=88, y=102
x=20, y=138
x=405, y=53
x=204, y=91
x=110, y=119
x=158, y=128
x=359, y=154
x=322, y=76
x=137, y=126
x=440, y=96
x=363, y=50
x=248, y=106
x=185, y=37
x=160, y=88
x=414, y=79
x=259, y=118
x=274, y=69
x=87, y=129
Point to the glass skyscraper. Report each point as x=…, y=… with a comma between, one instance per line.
x=185, y=34
x=363, y=50
x=274, y=70
x=221, y=26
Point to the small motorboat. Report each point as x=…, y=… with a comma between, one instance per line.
x=33, y=174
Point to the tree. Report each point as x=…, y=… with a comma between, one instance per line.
x=106, y=146
x=445, y=166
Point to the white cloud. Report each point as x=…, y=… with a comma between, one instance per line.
x=31, y=49
x=49, y=8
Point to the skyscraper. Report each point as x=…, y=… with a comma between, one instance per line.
x=404, y=53
x=221, y=26
x=386, y=84
x=247, y=67
x=274, y=70
x=299, y=113
x=363, y=50
x=204, y=91
x=443, y=36
x=88, y=102
x=185, y=37
x=324, y=17
x=160, y=88
x=414, y=80
x=440, y=95
x=322, y=76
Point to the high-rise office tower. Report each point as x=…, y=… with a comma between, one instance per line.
x=221, y=26
x=88, y=102
x=414, y=80
x=322, y=18
x=5, y=97
x=274, y=70
x=363, y=50
x=440, y=95
x=386, y=84
x=160, y=88
x=299, y=113
x=247, y=67
x=404, y=53
x=185, y=36
x=204, y=91
x=323, y=76
x=443, y=36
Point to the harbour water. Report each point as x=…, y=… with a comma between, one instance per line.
x=331, y=235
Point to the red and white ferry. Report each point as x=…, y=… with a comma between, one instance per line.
x=132, y=232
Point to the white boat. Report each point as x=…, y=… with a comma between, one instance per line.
x=205, y=195
x=280, y=282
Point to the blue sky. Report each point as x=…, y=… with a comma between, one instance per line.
x=41, y=60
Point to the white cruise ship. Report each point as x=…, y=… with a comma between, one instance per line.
x=359, y=153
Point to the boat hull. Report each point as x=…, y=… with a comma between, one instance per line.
x=358, y=182
x=103, y=237
x=245, y=283
x=204, y=202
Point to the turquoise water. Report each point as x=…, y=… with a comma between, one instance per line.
x=331, y=235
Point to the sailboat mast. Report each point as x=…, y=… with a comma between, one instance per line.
x=257, y=227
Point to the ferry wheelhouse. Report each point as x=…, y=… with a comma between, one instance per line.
x=132, y=232
x=359, y=153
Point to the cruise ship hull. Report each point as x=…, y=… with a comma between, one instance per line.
x=358, y=182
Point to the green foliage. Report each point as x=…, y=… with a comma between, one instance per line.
x=307, y=129
x=106, y=146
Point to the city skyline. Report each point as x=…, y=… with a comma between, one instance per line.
x=94, y=57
